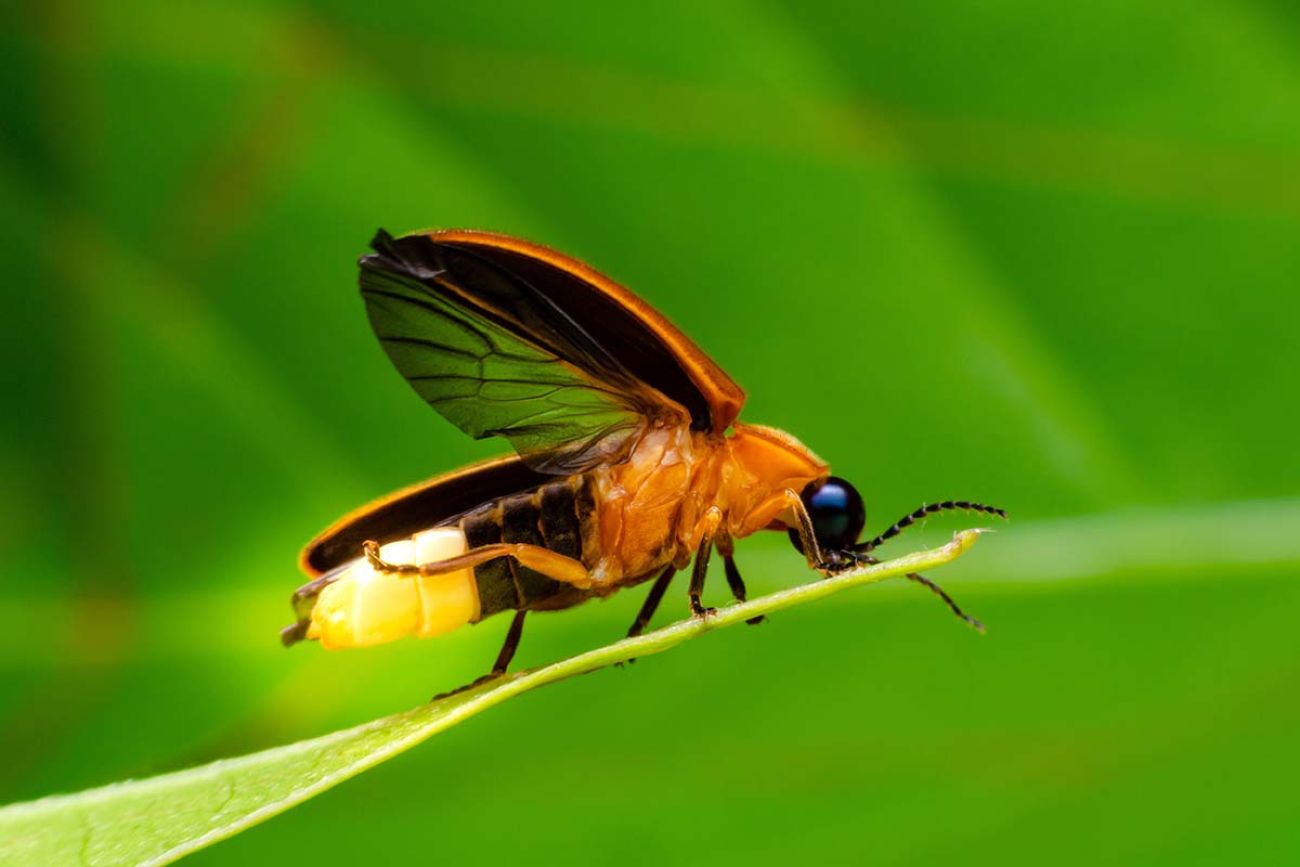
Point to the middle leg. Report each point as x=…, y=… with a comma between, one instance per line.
x=698, y=573
x=651, y=604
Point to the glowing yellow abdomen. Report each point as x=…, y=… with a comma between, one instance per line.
x=363, y=607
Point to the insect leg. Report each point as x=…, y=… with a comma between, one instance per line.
x=705, y=530
x=511, y=645
x=737, y=585
x=558, y=567
x=912, y=517
x=651, y=603
x=503, y=658
x=790, y=499
x=698, y=574
x=650, y=606
x=807, y=536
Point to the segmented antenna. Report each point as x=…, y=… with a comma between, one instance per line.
x=938, y=591
x=925, y=511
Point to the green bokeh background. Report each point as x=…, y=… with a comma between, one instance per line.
x=1040, y=256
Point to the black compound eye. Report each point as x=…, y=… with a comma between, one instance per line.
x=837, y=512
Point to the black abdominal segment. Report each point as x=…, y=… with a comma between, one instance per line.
x=554, y=516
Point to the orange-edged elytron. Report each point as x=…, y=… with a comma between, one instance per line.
x=630, y=462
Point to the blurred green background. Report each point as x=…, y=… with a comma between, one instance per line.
x=1044, y=257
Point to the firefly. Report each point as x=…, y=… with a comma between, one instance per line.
x=630, y=463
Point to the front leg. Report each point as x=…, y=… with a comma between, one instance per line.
x=727, y=548
x=789, y=500
x=651, y=604
x=737, y=585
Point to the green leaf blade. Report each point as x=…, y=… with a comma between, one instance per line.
x=160, y=819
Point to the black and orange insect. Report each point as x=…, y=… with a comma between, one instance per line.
x=630, y=461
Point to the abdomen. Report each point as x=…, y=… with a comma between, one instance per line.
x=355, y=606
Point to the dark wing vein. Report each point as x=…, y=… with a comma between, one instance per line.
x=490, y=379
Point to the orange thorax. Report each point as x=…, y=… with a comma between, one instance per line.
x=653, y=507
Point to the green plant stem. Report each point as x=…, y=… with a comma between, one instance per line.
x=158, y=820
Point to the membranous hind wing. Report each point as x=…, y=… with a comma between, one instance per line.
x=507, y=338
x=404, y=513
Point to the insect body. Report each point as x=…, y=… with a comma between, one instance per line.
x=629, y=465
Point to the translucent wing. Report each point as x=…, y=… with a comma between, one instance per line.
x=563, y=298
x=489, y=350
